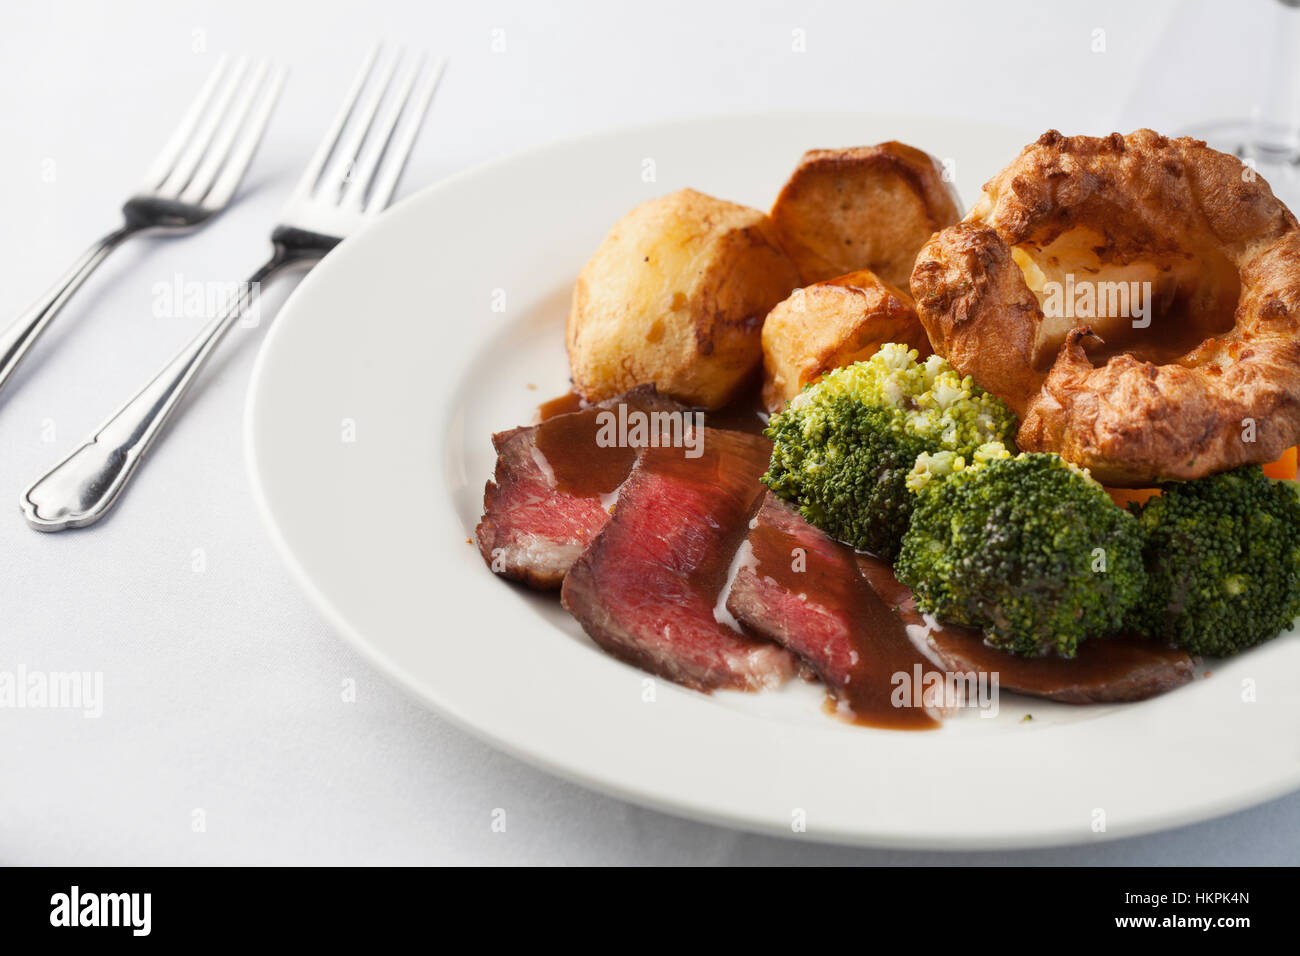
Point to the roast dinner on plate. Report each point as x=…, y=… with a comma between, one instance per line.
x=862, y=439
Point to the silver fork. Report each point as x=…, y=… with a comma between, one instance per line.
x=349, y=181
x=191, y=181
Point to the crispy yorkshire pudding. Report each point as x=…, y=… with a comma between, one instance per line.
x=1135, y=299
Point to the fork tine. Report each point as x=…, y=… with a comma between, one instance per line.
x=307, y=184
x=342, y=167
x=215, y=155
x=244, y=148
x=166, y=159
x=372, y=152
x=404, y=140
x=199, y=142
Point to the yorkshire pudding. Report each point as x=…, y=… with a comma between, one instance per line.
x=1135, y=299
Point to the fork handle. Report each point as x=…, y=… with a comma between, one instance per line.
x=83, y=487
x=16, y=340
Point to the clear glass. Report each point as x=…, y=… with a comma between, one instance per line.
x=1270, y=135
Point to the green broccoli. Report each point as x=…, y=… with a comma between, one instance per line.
x=1030, y=549
x=844, y=446
x=930, y=468
x=1223, y=561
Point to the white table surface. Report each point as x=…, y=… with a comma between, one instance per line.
x=222, y=687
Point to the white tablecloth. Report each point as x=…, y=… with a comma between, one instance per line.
x=224, y=736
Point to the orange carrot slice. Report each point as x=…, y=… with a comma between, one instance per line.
x=1122, y=496
x=1284, y=467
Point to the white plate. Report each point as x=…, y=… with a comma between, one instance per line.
x=421, y=336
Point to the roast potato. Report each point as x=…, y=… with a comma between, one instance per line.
x=675, y=297
x=868, y=207
x=832, y=324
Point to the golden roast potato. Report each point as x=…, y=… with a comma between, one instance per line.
x=832, y=324
x=867, y=207
x=675, y=296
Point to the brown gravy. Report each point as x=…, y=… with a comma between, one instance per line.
x=880, y=640
x=746, y=413
x=1099, y=663
x=561, y=405
x=581, y=465
x=569, y=428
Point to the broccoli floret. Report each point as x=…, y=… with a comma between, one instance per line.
x=1030, y=549
x=930, y=468
x=844, y=446
x=1223, y=562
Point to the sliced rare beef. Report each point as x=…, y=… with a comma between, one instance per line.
x=552, y=490
x=647, y=589
x=795, y=585
x=1104, y=670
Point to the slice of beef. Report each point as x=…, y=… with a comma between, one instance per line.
x=1104, y=670
x=552, y=490
x=648, y=588
x=798, y=587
